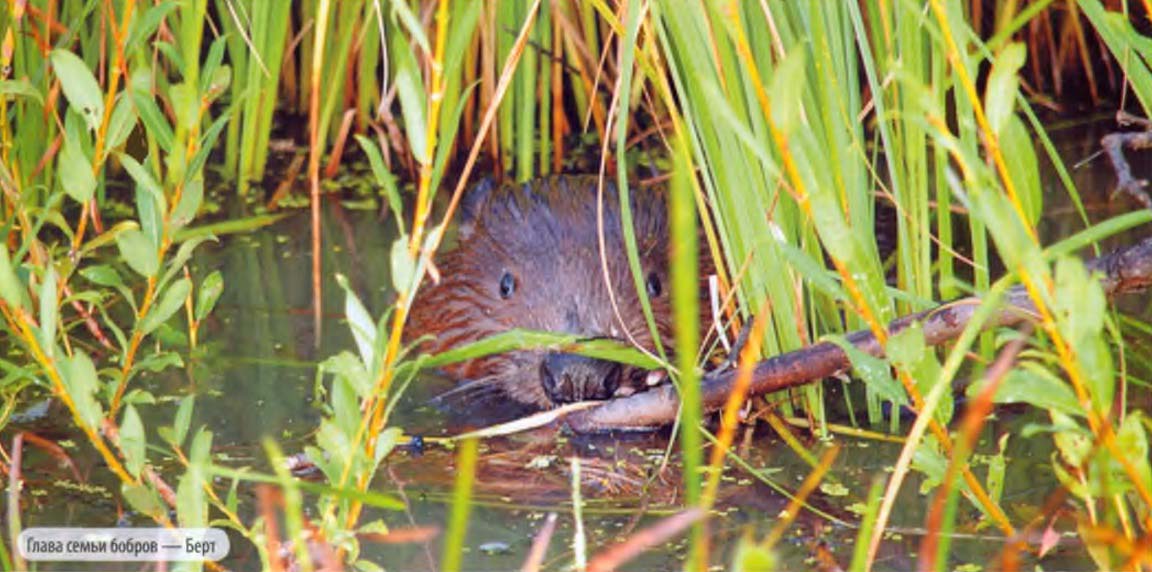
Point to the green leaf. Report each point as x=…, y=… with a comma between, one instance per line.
x=78, y=375
x=20, y=88
x=189, y=204
x=345, y=408
x=411, y=24
x=384, y=178
x=183, y=254
x=80, y=87
x=518, y=339
x=997, y=465
x=1000, y=95
x=1079, y=302
x=151, y=214
x=207, y=144
x=233, y=226
x=174, y=56
x=170, y=302
x=49, y=311
x=334, y=442
x=1035, y=385
x=1132, y=438
x=410, y=89
x=137, y=250
x=183, y=419
x=787, y=91
x=449, y=125
x=12, y=290
x=155, y=123
x=132, y=441
x=122, y=122
x=190, y=505
x=213, y=78
x=403, y=266
x=209, y=293
x=143, y=499
x=104, y=275
x=185, y=104
x=908, y=351
x=143, y=177
x=363, y=328
x=815, y=273
x=190, y=502
x=141, y=396
x=147, y=23
x=218, y=82
x=1016, y=142
x=158, y=361
x=928, y=460
x=1123, y=40
x=200, y=453
x=348, y=366
x=874, y=371
x=386, y=442
x=1080, y=308
x=232, y=501
x=76, y=171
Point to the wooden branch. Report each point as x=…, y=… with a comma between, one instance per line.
x=1114, y=144
x=1121, y=272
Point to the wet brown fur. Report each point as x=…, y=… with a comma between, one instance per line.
x=545, y=234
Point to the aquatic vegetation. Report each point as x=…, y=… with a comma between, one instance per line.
x=785, y=131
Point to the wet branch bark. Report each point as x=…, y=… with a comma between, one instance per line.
x=1114, y=144
x=1121, y=272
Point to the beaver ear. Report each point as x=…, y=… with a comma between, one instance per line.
x=472, y=203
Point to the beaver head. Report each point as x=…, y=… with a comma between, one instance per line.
x=529, y=257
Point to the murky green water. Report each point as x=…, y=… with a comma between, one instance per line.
x=254, y=377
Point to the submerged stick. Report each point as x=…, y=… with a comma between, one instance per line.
x=1114, y=144
x=1123, y=271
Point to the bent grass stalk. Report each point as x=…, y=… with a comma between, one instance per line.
x=461, y=506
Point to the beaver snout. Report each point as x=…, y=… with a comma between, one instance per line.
x=568, y=378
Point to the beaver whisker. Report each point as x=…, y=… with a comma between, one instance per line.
x=474, y=390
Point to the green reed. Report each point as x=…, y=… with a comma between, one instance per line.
x=794, y=120
x=772, y=104
x=686, y=299
x=256, y=32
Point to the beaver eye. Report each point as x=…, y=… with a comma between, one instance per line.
x=507, y=285
x=654, y=286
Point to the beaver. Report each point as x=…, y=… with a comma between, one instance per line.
x=529, y=257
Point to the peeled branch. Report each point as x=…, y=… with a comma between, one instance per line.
x=1121, y=272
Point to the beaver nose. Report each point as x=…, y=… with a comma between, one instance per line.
x=569, y=377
